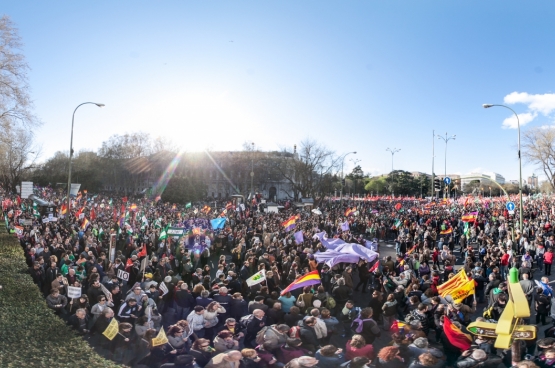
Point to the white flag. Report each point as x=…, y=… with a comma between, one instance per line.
x=257, y=278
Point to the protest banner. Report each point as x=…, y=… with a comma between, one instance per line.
x=164, y=288
x=123, y=275
x=73, y=292
x=160, y=339
x=112, y=330
x=257, y=278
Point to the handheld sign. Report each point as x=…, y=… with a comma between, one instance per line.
x=123, y=275
x=447, y=180
x=73, y=292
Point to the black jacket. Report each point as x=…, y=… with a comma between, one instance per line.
x=184, y=299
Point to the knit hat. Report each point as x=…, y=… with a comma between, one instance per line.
x=421, y=342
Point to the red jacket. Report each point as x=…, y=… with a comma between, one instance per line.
x=505, y=259
x=548, y=258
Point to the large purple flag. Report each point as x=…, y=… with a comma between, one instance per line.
x=299, y=237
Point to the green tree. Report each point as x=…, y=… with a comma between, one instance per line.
x=182, y=189
x=376, y=185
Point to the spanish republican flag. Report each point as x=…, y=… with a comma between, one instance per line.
x=350, y=211
x=289, y=224
x=470, y=217
x=456, y=336
x=454, y=282
x=311, y=278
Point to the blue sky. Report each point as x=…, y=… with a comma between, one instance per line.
x=356, y=76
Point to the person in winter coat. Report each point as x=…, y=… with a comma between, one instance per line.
x=542, y=305
x=291, y=350
x=357, y=347
x=332, y=325
x=370, y=329
x=308, y=334
x=329, y=357
x=255, y=324
x=184, y=302
x=477, y=358
x=57, y=302
x=389, y=309
x=238, y=307
x=129, y=311
x=201, y=351
x=224, y=341
x=427, y=360
x=79, y=321
x=275, y=336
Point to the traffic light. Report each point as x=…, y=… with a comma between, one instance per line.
x=437, y=184
x=510, y=223
x=343, y=182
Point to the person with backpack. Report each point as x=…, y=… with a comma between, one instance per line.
x=366, y=326
x=272, y=337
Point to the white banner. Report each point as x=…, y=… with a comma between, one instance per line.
x=257, y=278
x=73, y=292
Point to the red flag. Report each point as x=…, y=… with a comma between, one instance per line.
x=124, y=199
x=122, y=209
x=455, y=335
x=64, y=209
x=142, y=253
x=92, y=214
x=115, y=214
x=374, y=267
x=18, y=200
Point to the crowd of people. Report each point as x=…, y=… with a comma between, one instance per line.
x=184, y=301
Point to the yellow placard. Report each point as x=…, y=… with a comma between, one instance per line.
x=462, y=292
x=112, y=330
x=161, y=339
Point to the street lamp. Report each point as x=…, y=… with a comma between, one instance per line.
x=393, y=151
x=487, y=106
x=342, y=162
x=71, y=155
x=446, y=139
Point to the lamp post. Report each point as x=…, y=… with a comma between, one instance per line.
x=487, y=106
x=71, y=155
x=446, y=139
x=342, y=162
x=393, y=151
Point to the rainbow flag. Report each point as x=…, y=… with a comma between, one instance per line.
x=311, y=278
x=470, y=217
x=350, y=211
x=289, y=224
x=456, y=336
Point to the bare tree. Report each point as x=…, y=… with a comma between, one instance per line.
x=307, y=169
x=538, y=148
x=15, y=103
x=16, y=156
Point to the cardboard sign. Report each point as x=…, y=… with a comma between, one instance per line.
x=73, y=292
x=123, y=275
x=81, y=216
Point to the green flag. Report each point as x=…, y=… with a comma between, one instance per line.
x=35, y=210
x=188, y=205
x=110, y=202
x=466, y=229
x=100, y=234
x=164, y=233
x=157, y=224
